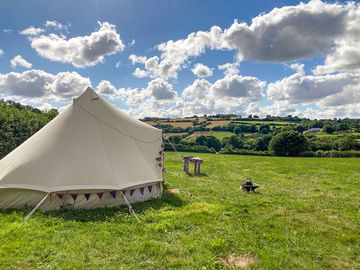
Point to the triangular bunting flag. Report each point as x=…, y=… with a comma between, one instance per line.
x=132, y=191
x=100, y=194
x=158, y=185
x=150, y=188
x=142, y=191
x=87, y=196
x=60, y=195
x=113, y=194
x=74, y=196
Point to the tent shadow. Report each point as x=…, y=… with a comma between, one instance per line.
x=103, y=214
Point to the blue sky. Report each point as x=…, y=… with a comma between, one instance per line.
x=287, y=59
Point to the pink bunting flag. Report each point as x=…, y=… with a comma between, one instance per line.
x=100, y=194
x=87, y=196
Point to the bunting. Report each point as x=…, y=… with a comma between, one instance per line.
x=60, y=195
x=142, y=190
x=132, y=191
x=150, y=188
x=87, y=196
x=74, y=196
x=158, y=185
x=100, y=194
x=113, y=193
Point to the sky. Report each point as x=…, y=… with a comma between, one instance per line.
x=179, y=58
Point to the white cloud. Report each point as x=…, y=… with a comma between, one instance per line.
x=135, y=59
x=161, y=89
x=329, y=89
x=288, y=33
x=174, y=55
x=118, y=64
x=1, y=52
x=200, y=89
x=18, y=60
x=140, y=73
x=38, y=84
x=284, y=34
x=8, y=31
x=238, y=86
x=80, y=51
x=56, y=25
x=201, y=71
x=106, y=88
x=32, y=31
x=230, y=68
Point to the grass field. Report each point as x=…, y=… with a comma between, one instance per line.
x=270, y=123
x=305, y=216
x=218, y=134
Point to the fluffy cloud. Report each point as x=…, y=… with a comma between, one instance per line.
x=135, y=59
x=32, y=31
x=140, y=73
x=345, y=56
x=1, y=52
x=40, y=84
x=230, y=68
x=238, y=86
x=201, y=71
x=20, y=61
x=174, y=55
x=56, y=25
x=80, y=51
x=284, y=34
x=106, y=88
x=288, y=33
x=332, y=89
x=161, y=89
x=200, y=89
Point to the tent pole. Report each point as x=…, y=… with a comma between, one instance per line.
x=36, y=207
x=129, y=205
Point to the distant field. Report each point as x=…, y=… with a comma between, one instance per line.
x=218, y=134
x=304, y=216
x=178, y=124
x=277, y=123
x=218, y=123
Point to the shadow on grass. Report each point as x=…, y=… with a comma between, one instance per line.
x=102, y=214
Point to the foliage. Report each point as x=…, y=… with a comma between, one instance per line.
x=18, y=123
x=288, y=143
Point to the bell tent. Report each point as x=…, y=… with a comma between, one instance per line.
x=90, y=155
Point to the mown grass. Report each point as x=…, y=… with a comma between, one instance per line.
x=305, y=216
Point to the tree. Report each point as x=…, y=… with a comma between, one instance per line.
x=209, y=141
x=346, y=143
x=328, y=129
x=288, y=143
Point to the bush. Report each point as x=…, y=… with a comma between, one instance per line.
x=288, y=143
x=340, y=154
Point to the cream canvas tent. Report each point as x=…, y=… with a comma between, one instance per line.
x=84, y=158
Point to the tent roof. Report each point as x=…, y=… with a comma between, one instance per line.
x=89, y=145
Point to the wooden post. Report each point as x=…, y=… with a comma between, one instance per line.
x=195, y=166
x=199, y=165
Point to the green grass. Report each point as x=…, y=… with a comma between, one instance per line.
x=305, y=216
x=221, y=134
